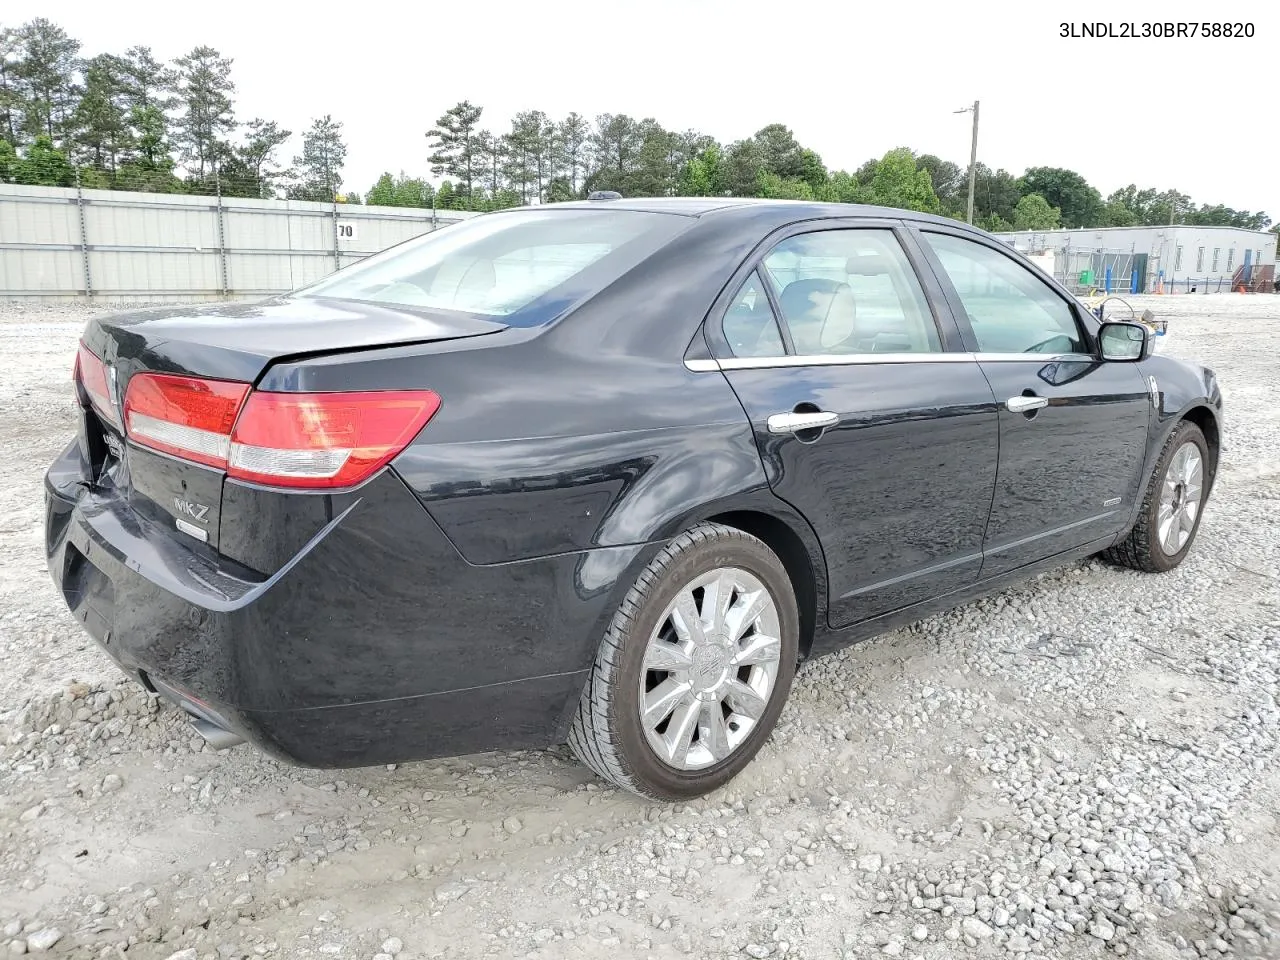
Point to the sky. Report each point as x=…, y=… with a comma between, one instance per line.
x=851, y=80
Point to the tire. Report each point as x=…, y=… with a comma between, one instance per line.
x=1146, y=547
x=648, y=634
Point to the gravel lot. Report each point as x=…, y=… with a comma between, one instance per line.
x=1082, y=766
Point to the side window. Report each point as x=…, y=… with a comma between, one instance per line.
x=749, y=324
x=850, y=292
x=1009, y=308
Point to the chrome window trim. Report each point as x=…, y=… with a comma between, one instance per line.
x=875, y=359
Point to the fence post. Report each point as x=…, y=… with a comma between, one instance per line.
x=222, y=232
x=337, y=254
x=84, y=238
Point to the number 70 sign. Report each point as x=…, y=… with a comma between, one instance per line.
x=347, y=230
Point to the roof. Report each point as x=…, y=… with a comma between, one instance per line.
x=795, y=209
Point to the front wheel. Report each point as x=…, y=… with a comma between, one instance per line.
x=1172, y=506
x=694, y=669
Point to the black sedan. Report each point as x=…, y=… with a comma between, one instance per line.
x=601, y=471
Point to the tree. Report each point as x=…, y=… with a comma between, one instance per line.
x=8, y=161
x=744, y=163
x=614, y=143
x=204, y=88
x=44, y=165
x=321, y=161
x=898, y=182
x=45, y=72
x=950, y=183
x=257, y=155
x=10, y=89
x=781, y=153
x=402, y=191
x=101, y=119
x=571, y=136
x=996, y=194
x=453, y=144
x=1081, y=204
x=1034, y=213
x=702, y=175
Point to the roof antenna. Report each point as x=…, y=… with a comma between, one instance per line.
x=604, y=195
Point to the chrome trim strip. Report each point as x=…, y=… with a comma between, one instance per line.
x=842, y=360
x=191, y=530
x=1036, y=357
x=702, y=366
x=874, y=359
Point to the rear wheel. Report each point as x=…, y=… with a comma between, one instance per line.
x=694, y=669
x=1171, y=509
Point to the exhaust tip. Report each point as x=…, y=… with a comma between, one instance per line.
x=215, y=736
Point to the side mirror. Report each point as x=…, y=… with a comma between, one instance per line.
x=1125, y=342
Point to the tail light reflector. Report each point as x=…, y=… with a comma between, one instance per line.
x=324, y=440
x=91, y=373
x=185, y=416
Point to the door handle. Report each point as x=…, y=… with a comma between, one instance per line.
x=798, y=422
x=1026, y=404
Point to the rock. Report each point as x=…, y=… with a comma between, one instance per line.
x=448, y=892
x=920, y=932
x=512, y=825
x=871, y=863
x=893, y=948
x=31, y=813
x=1102, y=928
x=758, y=950
x=392, y=945
x=975, y=928
x=112, y=782
x=13, y=928
x=17, y=947
x=188, y=954
x=44, y=939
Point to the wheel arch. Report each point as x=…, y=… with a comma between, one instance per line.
x=796, y=556
x=1204, y=418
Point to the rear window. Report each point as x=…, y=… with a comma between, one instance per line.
x=523, y=267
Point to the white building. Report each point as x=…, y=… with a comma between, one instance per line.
x=1172, y=259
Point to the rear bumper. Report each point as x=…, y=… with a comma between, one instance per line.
x=376, y=643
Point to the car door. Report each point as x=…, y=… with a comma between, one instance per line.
x=1073, y=428
x=870, y=418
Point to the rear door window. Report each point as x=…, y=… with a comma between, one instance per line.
x=851, y=292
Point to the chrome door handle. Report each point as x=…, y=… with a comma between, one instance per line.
x=796, y=422
x=1026, y=404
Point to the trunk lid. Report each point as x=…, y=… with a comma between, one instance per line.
x=235, y=342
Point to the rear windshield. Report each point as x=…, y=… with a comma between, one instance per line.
x=523, y=268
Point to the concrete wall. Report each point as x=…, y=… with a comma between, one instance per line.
x=57, y=243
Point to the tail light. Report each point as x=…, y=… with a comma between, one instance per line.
x=324, y=439
x=91, y=373
x=303, y=440
x=184, y=416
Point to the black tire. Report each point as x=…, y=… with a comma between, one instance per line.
x=607, y=734
x=1141, y=548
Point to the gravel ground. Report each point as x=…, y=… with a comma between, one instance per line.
x=1082, y=766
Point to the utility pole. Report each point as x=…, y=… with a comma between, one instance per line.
x=973, y=157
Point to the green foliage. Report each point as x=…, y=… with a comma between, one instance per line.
x=454, y=142
x=1034, y=213
x=8, y=161
x=401, y=191
x=203, y=88
x=320, y=164
x=44, y=75
x=1081, y=204
x=898, y=182
x=44, y=165
x=994, y=223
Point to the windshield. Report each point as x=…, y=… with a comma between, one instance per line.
x=524, y=267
